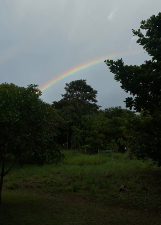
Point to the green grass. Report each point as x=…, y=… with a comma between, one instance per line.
x=73, y=191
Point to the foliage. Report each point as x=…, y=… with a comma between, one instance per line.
x=80, y=96
x=98, y=130
x=118, y=112
x=143, y=136
x=94, y=127
x=28, y=126
x=76, y=138
x=86, y=127
x=95, y=131
x=143, y=81
x=113, y=146
x=79, y=100
x=117, y=118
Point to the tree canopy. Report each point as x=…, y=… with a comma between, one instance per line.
x=144, y=81
x=79, y=95
x=79, y=100
x=28, y=126
x=142, y=133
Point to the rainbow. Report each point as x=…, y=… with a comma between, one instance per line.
x=83, y=66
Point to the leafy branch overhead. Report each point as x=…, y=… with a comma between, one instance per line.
x=144, y=81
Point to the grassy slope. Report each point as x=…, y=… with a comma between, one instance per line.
x=83, y=190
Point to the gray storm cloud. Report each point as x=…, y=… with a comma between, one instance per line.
x=41, y=39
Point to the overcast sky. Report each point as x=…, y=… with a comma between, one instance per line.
x=40, y=39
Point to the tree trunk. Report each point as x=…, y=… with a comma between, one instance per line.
x=129, y=159
x=67, y=141
x=1, y=184
x=128, y=153
x=112, y=154
x=1, y=181
x=78, y=108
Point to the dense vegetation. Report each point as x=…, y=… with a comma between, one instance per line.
x=28, y=128
x=85, y=126
x=143, y=133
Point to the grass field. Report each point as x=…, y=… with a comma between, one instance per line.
x=83, y=189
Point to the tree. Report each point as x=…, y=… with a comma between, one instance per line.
x=82, y=96
x=76, y=137
x=143, y=136
x=117, y=119
x=94, y=131
x=118, y=112
x=28, y=126
x=99, y=129
x=79, y=100
x=143, y=81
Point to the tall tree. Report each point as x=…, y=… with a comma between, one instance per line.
x=28, y=126
x=82, y=95
x=144, y=81
x=79, y=100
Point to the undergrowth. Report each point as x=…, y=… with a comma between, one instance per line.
x=95, y=176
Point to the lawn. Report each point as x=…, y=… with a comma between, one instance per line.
x=83, y=189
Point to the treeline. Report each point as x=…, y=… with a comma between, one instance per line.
x=92, y=129
x=32, y=131
x=86, y=127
